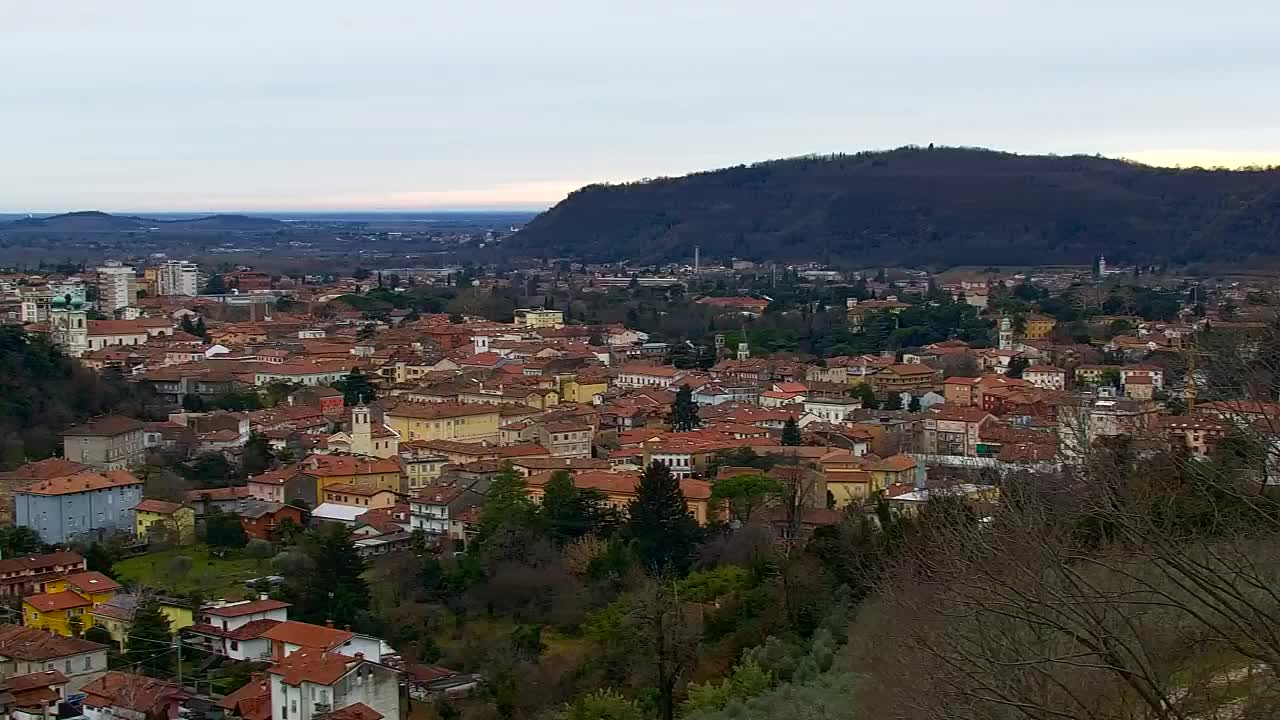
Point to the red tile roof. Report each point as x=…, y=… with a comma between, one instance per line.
x=106, y=425
x=311, y=665
x=54, y=602
x=82, y=482
x=37, y=563
x=359, y=711
x=26, y=643
x=163, y=507
x=45, y=469
x=93, y=582
x=307, y=635
x=134, y=692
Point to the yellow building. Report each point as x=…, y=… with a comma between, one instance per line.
x=893, y=470
x=116, y=616
x=360, y=496
x=581, y=391
x=65, y=606
x=370, y=472
x=164, y=519
x=1038, y=327
x=474, y=422
x=538, y=318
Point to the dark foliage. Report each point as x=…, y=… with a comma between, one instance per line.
x=920, y=206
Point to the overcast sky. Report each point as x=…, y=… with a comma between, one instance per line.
x=135, y=105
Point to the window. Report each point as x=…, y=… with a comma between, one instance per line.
x=235, y=645
x=68, y=666
x=88, y=662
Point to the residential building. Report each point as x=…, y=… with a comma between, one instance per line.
x=445, y=421
x=900, y=377
x=26, y=650
x=84, y=505
x=832, y=410
x=1038, y=327
x=619, y=489
x=647, y=375
x=316, y=684
x=27, y=575
x=127, y=696
x=285, y=485
x=117, y=287
x=326, y=470
x=952, y=430
x=260, y=518
x=361, y=496
x=539, y=318
x=116, y=615
x=64, y=606
x=567, y=438
x=291, y=636
x=236, y=629
x=33, y=697
x=178, y=277
x=29, y=473
x=110, y=442
x=1047, y=377
x=166, y=520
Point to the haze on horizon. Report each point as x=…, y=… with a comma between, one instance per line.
x=145, y=105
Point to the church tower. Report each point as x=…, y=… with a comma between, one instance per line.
x=69, y=326
x=361, y=431
x=1006, y=334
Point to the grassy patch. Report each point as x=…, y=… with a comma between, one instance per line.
x=208, y=575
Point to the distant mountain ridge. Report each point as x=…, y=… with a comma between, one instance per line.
x=98, y=221
x=950, y=206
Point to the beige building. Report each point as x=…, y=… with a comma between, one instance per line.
x=111, y=442
x=568, y=438
x=538, y=318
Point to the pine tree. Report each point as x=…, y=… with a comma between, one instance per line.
x=684, y=412
x=568, y=512
x=506, y=503
x=356, y=388
x=893, y=401
x=791, y=432
x=914, y=405
x=332, y=584
x=659, y=523
x=150, y=642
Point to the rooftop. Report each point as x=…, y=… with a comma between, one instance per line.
x=82, y=482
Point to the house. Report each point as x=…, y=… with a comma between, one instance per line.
x=223, y=499
x=899, y=377
x=619, y=489
x=111, y=442
x=1038, y=327
x=33, y=697
x=327, y=400
x=252, y=701
x=127, y=696
x=1153, y=374
x=313, y=684
x=64, y=606
x=260, y=518
x=236, y=629
x=1139, y=387
x=469, y=422
x=84, y=505
x=29, y=473
x=954, y=430
x=741, y=304
x=1047, y=377
x=326, y=470
x=646, y=375
x=538, y=318
x=291, y=636
x=116, y=615
x=174, y=522
x=832, y=410
x=26, y=650
x=284, y=485
x=26, y=575
x=566, y=438
x=362, y=496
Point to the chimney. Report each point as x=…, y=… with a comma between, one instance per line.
x=347, y=628
x=359, y=656
x=263, y=596
x=328, y=624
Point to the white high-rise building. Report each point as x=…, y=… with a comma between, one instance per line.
x=117, y=287
x=178, y=277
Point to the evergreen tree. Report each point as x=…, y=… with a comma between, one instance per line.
x=223, y=529
x=331, y=584
x=568, y=512
x=684, y=412
x=893, y=401
x=356, y=388
x=867, y=394
x=791, y=432
x=659, y=523
x=506, y=503
x=98, y=559
x=1016, y=368
x=199, y=329
x=150, y=641
x=186, y=326
x=914, y=405
x=217, y=285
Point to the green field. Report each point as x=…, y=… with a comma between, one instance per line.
x=208, y=576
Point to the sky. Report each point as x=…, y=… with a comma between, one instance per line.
x=136, y=105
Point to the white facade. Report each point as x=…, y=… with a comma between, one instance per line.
x=178, y=277
x=116, y=287
x=374, y=685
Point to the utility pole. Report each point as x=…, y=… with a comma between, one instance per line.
x=697, y=259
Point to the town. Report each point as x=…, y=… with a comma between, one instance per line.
x=425, y=490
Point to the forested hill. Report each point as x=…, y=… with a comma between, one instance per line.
x=923, y=206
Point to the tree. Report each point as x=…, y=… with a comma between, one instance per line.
x=356, y=388
x=867, y=394
x=217, y=285
x=603, y=704
x=507, y=504
x=193, y=403
x=791, y=432
x=664, y=633
x=746, y=493
x=659, y=523
x=684, y=412
x=331, y=584
x=893, y=401
x=362, y=273
x=223, y=529
x=149, y=644
x=256, y=457
x=568, y=512
x=18, y=540
x=914, y=405
x=98, y=558
x=1016, y=367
